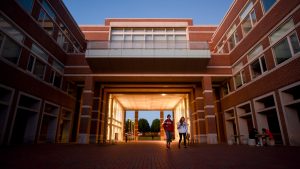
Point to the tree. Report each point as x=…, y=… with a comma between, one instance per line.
x=129, y=126
x=144, y=126
x=155, y=126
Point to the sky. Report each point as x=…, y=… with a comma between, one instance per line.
x=94, y=12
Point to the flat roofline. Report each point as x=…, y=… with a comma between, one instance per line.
x=188, y=20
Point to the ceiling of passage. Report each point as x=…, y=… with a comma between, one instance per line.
x=149, y=101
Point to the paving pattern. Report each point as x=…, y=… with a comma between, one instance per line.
x=148, y=155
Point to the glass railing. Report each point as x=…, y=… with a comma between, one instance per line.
x=148, y=49
x=159, y=44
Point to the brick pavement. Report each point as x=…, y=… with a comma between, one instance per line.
x=147, y=155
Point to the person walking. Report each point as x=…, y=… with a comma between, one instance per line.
x=168, y=126
x=182, y=129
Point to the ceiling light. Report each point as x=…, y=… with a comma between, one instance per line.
x=163, y=94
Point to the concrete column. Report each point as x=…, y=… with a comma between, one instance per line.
x=162, y=132
x=136, y=124
x=210, y=117
x=86, y=110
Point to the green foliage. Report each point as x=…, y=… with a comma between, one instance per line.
x=155, y=126
x=144, y=126
x=127, y=126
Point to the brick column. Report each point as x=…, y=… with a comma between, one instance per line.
x=199, y=115
x=86, y=109
x=136, y=124
x=162, y=132
x=210, y=117
x=95, y=121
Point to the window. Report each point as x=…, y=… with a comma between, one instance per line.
x=255, y=52
x=239, y=79
x=45, y=22
x=39, y=52
x=226, y=88
x=286, y=48
x=26, y=5
x=282, y=31
x=10, y=50
x=48, y=9
x=267, y=4
x=11, y=30
x=248, y=18
x=287, y=44
x=257, y=67
x=36, y=66
x=233, y=38
x=55, y=79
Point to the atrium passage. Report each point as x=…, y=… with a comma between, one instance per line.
x=103, y=108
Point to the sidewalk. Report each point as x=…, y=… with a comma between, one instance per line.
x=147, y=155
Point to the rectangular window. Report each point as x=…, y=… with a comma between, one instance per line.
x=239, y=79
x=26, y=5
x=255, y=52
x=48, y=9
x=39, y=52
x=226, y=88
x=286, y=48
x=248, y=22
x=45, y=22
x=233, y=40
x=281, y=31
x=10, y=50
x=57, y=80
x=30, y=63
x=11, y=30
x=39, y=69
x=267, y=4
x=295, y=43
x=258, y=67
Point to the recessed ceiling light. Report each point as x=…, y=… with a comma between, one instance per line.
x=163, y=94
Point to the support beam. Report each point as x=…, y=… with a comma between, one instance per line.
x=162, y=132
x=136, y=124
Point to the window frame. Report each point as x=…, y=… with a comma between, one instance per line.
x=263, y=6
x=35, y=58
x=262, y=71
x=241, y=73
x=291, y=49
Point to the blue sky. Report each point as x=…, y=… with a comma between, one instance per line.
x=203, y=12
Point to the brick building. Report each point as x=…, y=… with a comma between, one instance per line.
x=60, y=82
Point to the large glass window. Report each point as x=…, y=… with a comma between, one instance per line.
x=267, y=4
x=26, y=4
x=286, y=48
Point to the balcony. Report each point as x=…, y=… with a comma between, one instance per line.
x=147, y=56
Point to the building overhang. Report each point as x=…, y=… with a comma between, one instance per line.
x=187, y=57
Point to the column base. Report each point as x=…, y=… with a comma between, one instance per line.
x=212, y=139
x=83, y=139
x=203, y=138
x=93, y=139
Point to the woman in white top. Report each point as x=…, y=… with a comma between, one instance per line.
x=182, y=129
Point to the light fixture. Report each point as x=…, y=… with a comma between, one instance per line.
x=163, y=94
